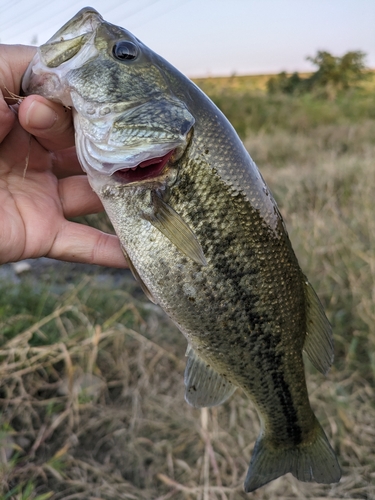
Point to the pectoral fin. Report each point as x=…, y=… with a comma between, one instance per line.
x=203, y=385
x=168, y=222
x=319, y=340
x=146, y=291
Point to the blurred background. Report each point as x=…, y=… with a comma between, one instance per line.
x=91, y=373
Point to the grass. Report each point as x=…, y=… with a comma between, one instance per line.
x=91, y=391
x=251, y=110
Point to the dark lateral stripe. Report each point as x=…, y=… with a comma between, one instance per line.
x=293, y=429
x=223, y=259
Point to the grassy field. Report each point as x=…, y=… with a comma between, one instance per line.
x=91, y=373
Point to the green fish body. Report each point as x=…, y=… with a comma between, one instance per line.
x=201, y=232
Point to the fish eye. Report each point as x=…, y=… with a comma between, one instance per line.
x=125, y=50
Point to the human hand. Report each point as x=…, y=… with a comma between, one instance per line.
x=41, y=181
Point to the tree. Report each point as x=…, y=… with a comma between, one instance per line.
x=333, y=74
x=338, y=72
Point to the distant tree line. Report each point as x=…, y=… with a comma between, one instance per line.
x=333, y=74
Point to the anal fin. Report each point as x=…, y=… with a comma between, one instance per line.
x=204, y=386
x=319, y=339
x=146, y=291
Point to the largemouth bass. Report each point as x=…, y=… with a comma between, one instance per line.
x=200, y=231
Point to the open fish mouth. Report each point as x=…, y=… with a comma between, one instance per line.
x=145, y=170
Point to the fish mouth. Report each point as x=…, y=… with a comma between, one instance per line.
x=148, y=169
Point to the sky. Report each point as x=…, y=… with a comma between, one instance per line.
x=214, y=37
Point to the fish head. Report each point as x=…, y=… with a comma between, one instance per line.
x=129, y=124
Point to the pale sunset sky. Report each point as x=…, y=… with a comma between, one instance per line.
x=214, y=37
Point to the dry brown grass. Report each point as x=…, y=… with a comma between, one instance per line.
x=327, y=198
x=103, y=416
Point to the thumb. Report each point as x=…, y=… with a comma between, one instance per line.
x=48, y=121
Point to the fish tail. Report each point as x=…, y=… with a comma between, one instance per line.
x=309, y=461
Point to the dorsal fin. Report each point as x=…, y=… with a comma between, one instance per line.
x=203, y=385
x=319, y=340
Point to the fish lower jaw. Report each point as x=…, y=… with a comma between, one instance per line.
x=144, y=171
x=153, y=168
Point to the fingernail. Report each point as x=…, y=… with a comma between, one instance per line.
x=40, y=116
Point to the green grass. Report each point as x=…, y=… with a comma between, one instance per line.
x=91, y=390
x=251, y=109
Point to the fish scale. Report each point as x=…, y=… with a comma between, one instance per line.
x=202, y=234
x=221, y=285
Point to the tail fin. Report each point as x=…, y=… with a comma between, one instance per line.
x=313, y=461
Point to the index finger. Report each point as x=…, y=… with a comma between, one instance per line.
x=14, y=61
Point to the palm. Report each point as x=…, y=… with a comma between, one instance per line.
x=31, y=212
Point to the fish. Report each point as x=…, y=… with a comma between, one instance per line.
x=201, y=233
